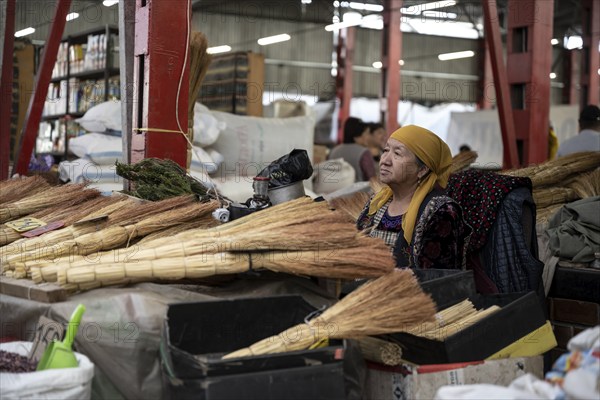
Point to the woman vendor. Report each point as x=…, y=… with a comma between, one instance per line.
x=411, y=213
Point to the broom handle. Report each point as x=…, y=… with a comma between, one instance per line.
x=74, y=325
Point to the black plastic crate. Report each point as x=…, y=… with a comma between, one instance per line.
x=197, y=335
x=520, y=314
x=576, y=284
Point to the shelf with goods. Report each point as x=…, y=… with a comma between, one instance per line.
x=86, y=73
x=234, y=83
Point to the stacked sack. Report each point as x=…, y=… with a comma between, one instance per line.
x=102, y=147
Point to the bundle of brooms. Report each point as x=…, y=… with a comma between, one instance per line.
x=351, y=205
x=42, y=246
x=295, y=225
x=38, y=201
x=392, y=303
x=298, y=237
x=171, y=213
x=12, y=190
x=66, y=213
x=150, y=217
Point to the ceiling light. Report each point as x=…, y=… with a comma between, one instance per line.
x=306, y=1
x=72, y=16
x=24, y=32
x=274, y=39
x=373, y=21
x=456, y=55
x=552, y=75
x=218, y=49
x=349, y=19
x=573, y=42
x=439, y=15
x=108, y=3
x=377, y=64
x=401, y=62
x=554, y=42
x=465, y=30
x=366, y=7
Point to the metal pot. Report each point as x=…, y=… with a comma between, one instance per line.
x=281, y=194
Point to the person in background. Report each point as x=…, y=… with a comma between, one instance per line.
x=464, y=148
x=552, y=142
x=425, y=228
x=355, y=149
x=588, y=138
x=377, y=140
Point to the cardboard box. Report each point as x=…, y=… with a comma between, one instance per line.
x=422, y=382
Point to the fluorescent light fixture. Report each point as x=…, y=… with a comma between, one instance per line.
x=349, y=19
x=554, y=42
x=456, y=55
x=573, y=42
x=306, y=1
x=457, y=29
x=218, y=49
x=373, y=21
x=417, y=9
x=72, y=16
x=366, y=7
x=24, y=32
x=379, y=64
x=108, y=3
x=274, y=39
x=552, y=75
x=439, y=14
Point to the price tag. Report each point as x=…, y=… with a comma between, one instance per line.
x=43, y=229
x=47, y=331
x=25, y=224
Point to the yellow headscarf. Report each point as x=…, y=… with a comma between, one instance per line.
x=434, y=152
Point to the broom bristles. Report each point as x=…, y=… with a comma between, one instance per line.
x=13, y=190
x=351, y=205
x=392, y=303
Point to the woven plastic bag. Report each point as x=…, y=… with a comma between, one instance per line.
x=64, y=383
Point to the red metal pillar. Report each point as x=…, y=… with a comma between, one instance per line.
x=529, y=60
x=486, y=84
x=492, y=36
x=343, y=79
x=6, y=88
x=391, y=54
x=570, y=74
x=42, y=80
x=590, y=58
x=161, y=80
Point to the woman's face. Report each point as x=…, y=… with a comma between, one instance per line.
x=378, y=138
x=398, y=165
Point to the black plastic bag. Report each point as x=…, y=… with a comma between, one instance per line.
x=292, y=167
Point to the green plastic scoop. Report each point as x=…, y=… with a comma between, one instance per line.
x=59, y=354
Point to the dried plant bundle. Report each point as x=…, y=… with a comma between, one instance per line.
x=587, y=185
x=462, y=161
x=448, y=330
x=558, y=170
x=445, y=317
x=351, y=205
x=544, y=214
x=13, y=190
x=380, y=351
x=546, y=197
x=39, y=201
x=347, y=263
x=154, y=216
x=392, y=303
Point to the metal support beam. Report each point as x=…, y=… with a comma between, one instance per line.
x=486, y=83
x=42, y=80
x=160, y=80
x=343, y=79
x=590, y=58
x=6, y=85
x=492, y=36
x=529, y=60
x=391, y=54
x=570, y=76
